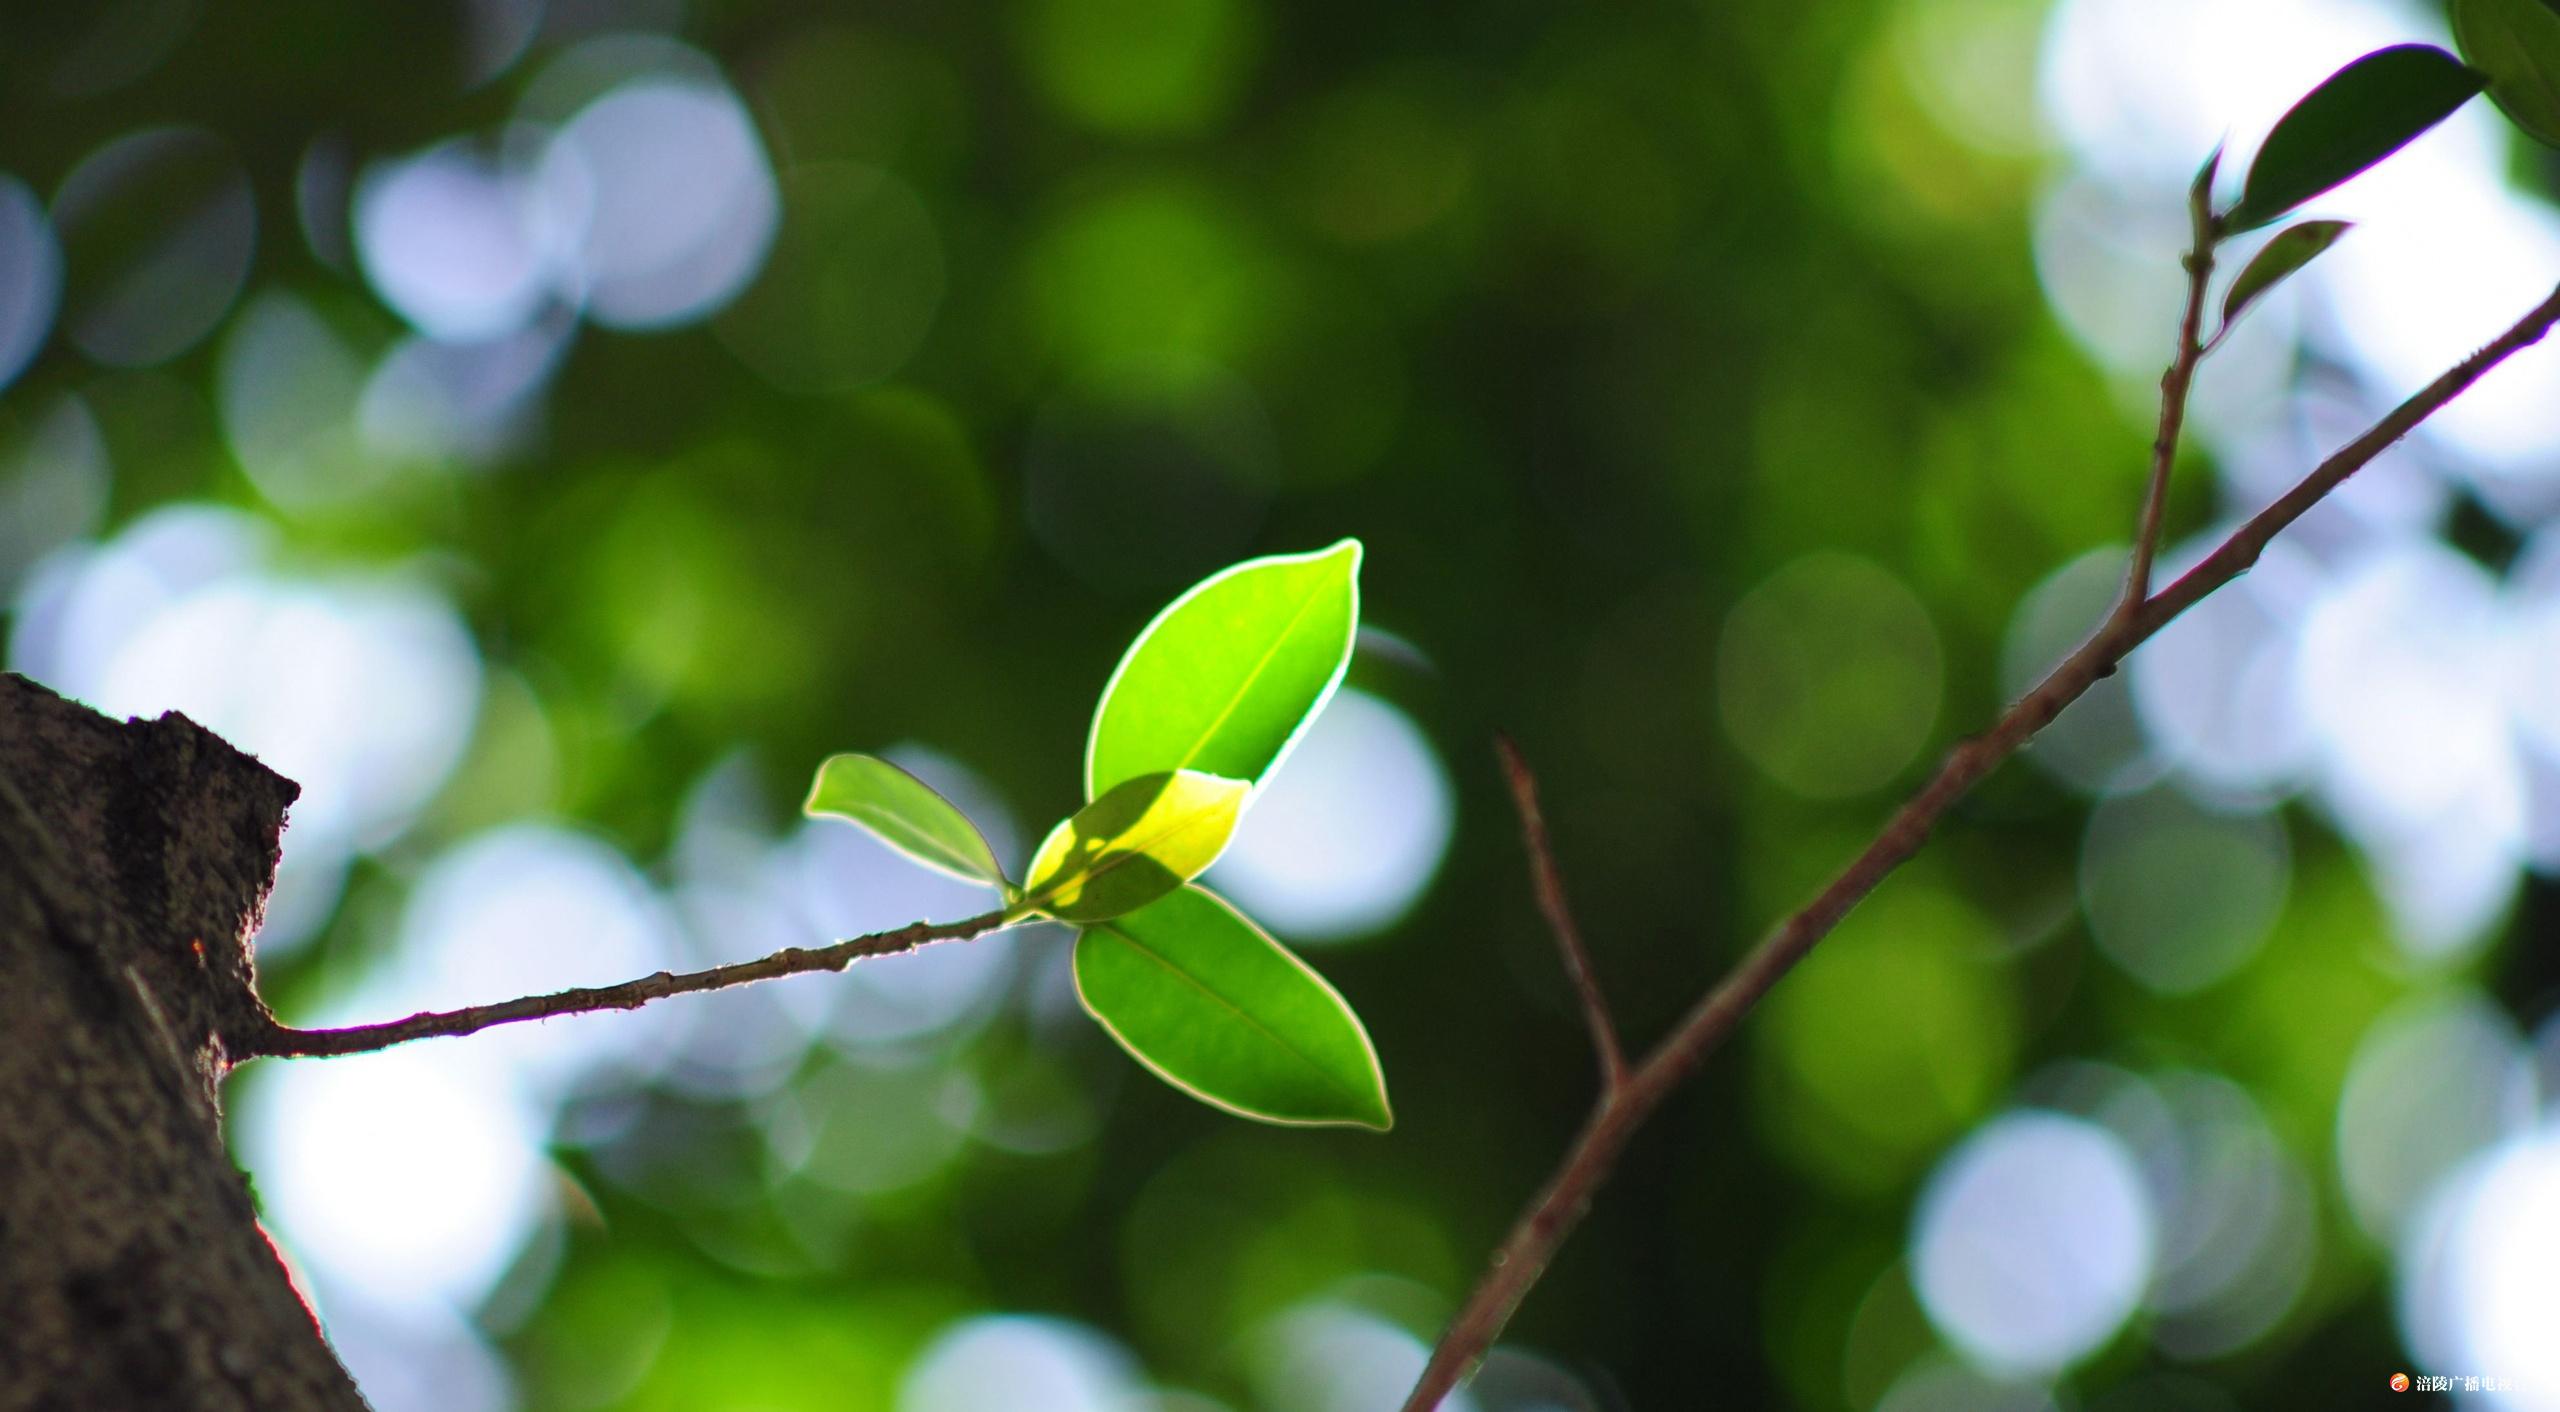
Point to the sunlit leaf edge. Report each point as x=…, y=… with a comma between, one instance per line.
x=1368, y=1046
x=994, y=876
x=1333, y=683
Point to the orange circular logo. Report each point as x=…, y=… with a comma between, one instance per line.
x=2399, y=1382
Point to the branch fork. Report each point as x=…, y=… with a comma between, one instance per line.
x=1548, y=880
x=1631, y=1090
x=1630, y=1094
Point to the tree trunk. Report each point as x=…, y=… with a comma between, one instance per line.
x=134, y=860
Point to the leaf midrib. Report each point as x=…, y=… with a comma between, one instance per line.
x=1113, y=858
x=1270, y=652
x=890, y=821
x=1313, y=1065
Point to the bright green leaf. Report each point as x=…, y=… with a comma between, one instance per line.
x=1139, y=841
x=904, y=813
x=2292, y=249
x=2517, y=44
x=1216, y=1008
x=2362, y=114
x=1228, y=674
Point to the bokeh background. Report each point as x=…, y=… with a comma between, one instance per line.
x=545, y=430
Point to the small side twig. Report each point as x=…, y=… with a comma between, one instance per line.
x=1559, y=1206
x=2206, y=228
x=284, y=1041
x=1548, y=881
x=2239, y=552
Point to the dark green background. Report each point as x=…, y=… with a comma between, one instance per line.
x=1586, y=320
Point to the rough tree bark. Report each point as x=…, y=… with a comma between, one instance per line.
x=134, y=860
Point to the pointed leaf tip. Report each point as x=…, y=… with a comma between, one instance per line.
x=1208, y=1001
x=2358, y=116
x=905, y=813
x=1228, y=675
x=2293, y=248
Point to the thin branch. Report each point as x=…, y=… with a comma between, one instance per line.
x=1552, y=1215
x=285, y=1041
x=2238, y=553
x=2174, y=386
x=1549, y=883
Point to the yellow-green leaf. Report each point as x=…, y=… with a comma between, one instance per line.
x=1139, y=841
x=904, y=813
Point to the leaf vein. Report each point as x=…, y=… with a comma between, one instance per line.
x=1309, y=1060
x=1270, y=651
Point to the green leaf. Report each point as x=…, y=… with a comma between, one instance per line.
x=2517, y=44
x=904, y=813
x=2362, y=114
x=1229, y=673
x=2293, y=248
x=1218, y=1009
x=1139, y=841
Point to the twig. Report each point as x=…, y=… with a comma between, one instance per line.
x=2174, y=385
x=1551, y=1216
x=285, y=1041
x=2239, y=552
x=1549, y=884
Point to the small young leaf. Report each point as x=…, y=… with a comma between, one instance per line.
x=2360, y=115
x=2293, y=248
x=1215, y=1007
x=905, y=814
x=2517, y=44
x=1139, y=841
x=1229, y=673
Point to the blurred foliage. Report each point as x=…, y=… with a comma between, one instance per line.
x=1592, y=324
